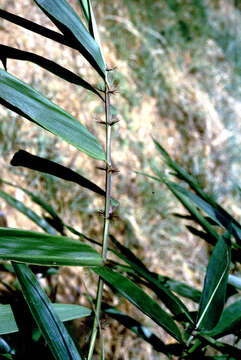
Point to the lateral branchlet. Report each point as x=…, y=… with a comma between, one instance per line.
x=114, y=171
x=111, y=215
x=113, y=122
x=113, y=91
x=101, y=122
x=101, y=168
x=108, y=169
x=111, y=68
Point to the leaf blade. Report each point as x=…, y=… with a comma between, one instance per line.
x=215, y=285
x=44, y=249
x=89, y=16
x=207, y=203
x=230, y=321
x=220, y=217
x=69, y=23
x=65, y=312
x=27, y=212
x=33, y=162
x=140, y=299
x=12, y=53
x=172, y=302
x=37, y=108
x=53, y=330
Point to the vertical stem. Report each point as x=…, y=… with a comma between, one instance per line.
x=106, y=218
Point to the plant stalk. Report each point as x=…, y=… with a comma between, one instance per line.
x=107, y=214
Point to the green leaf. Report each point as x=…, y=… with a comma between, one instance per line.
x=53, y=330
x=215, y=211
x=218, y=216
x=24, y=158
x=165, y=295
x=28, y=212
x=65, y=312
x=86, y=13
x=180, y=173
x=195, y=213
x=38, y=29
x=198, y=217
x=89, y=16
x=57, y=222
x=229, y=323
x=40, y=202
x=69, y=23
x=140, y=299
x=233, y=351
x=201, y=234
x=27, y=102
x=215, y=285
x=43, y=249
x=7, y=356
x=183, y=289
x=12, y=53
x=136, y=327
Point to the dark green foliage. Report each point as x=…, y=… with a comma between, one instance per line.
x=215, y=285
x=54, y=332
x=193, y=332
x=25, y=159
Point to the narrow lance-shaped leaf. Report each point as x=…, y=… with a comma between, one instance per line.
x=165, y=295
x=183, y=289
x=29, y=103
x=229, y=322
x=28, y=212
x=205, y=201
x=212, y=235
x=69, y=23
x=140, y=299
x=229, y=352
x=58, y=223
x=215, y=214
x=24, y=158
x=195, y=213
x=53, y=330
x=65, y=312
x=43, y=249
x=179, y=171
x=38, y=29
x=201, y=234
x=41, y=30
x=86, y=13
x=215, y=285
x=89, y=16
x=63, y=73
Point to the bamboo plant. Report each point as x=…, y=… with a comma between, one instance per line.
x=192, y=333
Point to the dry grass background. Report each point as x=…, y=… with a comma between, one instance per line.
x=187, y=123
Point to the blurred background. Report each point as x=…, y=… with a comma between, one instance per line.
x=178, y=75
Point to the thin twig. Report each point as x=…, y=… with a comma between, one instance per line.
x=107, y=213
